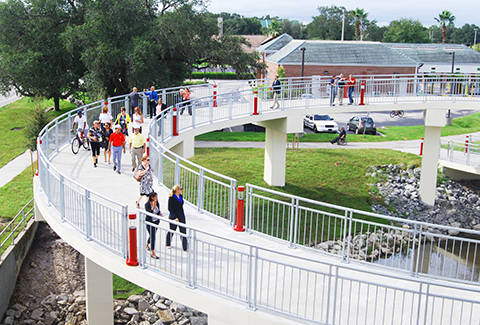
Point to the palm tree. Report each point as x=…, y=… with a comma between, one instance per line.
x=443, y=19
x=273, y=29
x=360, y=17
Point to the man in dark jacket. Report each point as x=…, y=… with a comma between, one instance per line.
x=276, y=90
x=134, y=97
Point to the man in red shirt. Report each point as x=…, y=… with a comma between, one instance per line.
x=351, y=86
x=116, y=144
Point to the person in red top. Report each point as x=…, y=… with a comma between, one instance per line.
x=351, y=86
x=116, y=144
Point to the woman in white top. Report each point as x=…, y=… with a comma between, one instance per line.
x=138, y=118
x=105, y=117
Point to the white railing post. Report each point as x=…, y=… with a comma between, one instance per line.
x=109, y=104
x=177, y=171
x=127, y=105
x=292, y=224
x=145, y=105
x=230, y=106
x=69, y=122
x=201, y=189
x=56, y=135
x=452, y=149
x=124, y=232
x=88, y=215
x=160, y=165
x=62, y=197
x=252, y=278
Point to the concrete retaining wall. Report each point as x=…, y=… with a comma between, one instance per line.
x=11, y=263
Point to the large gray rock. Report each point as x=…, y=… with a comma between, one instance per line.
x=143, y=305
x=166, y=316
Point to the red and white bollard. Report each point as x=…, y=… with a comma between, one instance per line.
x=215, y=96
x=240, y=207
x=174, y=121
x=148, y=146
x=362, y=93
x=421, y=148
x=132, y=259
x=466, y=143
x=255, y=102
x=38, y=142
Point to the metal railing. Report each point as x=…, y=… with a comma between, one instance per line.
x=418, y=248
x=104, y=221
x=16, y=226
x=308, y=289
x=460, y=152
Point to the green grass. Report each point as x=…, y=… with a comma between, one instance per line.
x=15, y=194
x=327, y=175
x=462, y=125
x=13, y=116
x=127, y=288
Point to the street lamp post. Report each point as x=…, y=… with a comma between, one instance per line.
x=343, y=23
x=303, y=49
x=449, y=117
x=475, y=39
x=453, y=62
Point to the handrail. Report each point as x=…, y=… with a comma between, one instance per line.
x=52, y=181
x=14, y=225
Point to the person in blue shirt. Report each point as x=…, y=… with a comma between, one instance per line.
x=175, y=207
x=152, y=100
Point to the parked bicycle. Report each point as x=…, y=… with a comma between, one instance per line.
x=79, y=141
x=396, y=113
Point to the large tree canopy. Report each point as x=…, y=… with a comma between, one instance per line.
x=406, y=30
x=34, y=60
x=53, y=48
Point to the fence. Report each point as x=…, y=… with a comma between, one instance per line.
x=308, y=289
x=260, y=277
x=415, y=247
x=466, y=153
x=16, y=226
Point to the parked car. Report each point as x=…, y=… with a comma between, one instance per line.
x=357, y=124
x=320, y=123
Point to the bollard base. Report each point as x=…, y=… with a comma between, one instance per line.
x=237, y=228
x=131, y=263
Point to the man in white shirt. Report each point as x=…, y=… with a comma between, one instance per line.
x=81, y=121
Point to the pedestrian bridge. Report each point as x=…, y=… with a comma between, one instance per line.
x=275, y=272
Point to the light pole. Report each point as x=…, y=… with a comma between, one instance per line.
x=303, y=49
x=449, y=118
x=475, y=39
x=343, y=23
x=453, y=61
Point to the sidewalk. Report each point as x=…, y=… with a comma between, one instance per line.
x=15, y=167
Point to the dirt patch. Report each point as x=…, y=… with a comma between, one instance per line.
x=51, y=267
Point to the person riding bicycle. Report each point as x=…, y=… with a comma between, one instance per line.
x=81, y=121
x=342, y=135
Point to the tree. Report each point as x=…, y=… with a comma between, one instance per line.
x=291, y=28
x=235, y=24
x=406, y=31
x=34, y=60
x=361, y=21
x=273, y=29
x=328, y=24
x=444, y=19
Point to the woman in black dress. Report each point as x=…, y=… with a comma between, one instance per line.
x=175, y=207
x=152, y=206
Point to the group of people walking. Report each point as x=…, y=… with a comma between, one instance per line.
x=337, y=88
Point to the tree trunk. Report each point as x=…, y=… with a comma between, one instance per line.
x=56, y=100
x=443, y=33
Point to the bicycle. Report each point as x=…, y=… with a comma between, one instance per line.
x=79, y=141
x=396, y=113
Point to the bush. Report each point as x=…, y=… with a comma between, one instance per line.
x=36, y=121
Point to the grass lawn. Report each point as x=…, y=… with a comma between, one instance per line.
x=327, y=175
x=123, y=288
x=13, y=117
x=461, y=125
x=15, y=194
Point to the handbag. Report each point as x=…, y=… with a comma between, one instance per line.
x=136, y=175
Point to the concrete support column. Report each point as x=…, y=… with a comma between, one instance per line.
x=275, y=157
x=99, y=292
x=434, y=121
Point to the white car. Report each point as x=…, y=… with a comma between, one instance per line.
x=320, y=123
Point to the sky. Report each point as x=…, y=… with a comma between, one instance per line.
x=465, y=11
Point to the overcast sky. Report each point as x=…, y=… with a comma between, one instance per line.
x=465, y=11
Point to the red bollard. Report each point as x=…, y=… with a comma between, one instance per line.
x=38, y=142
x=215, y=96
x=421, y=148
x=466, y=144
x=255, y=102
x=240, y=203
x=148, y=147
x=132, y=242
x=174, y=121
x=362, y=93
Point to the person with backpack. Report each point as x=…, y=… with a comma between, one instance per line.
x=276, y=91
